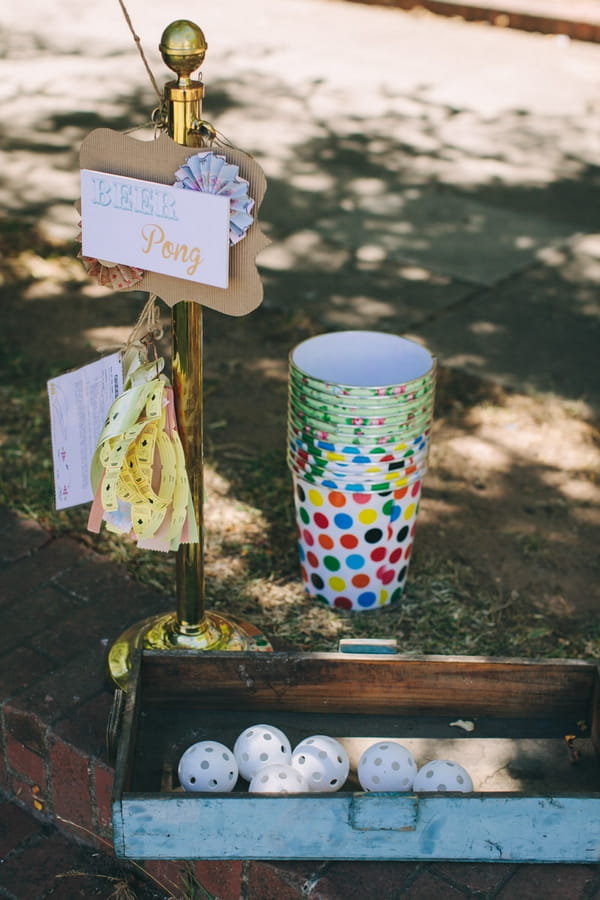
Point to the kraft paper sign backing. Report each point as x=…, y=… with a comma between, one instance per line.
x=105, y=150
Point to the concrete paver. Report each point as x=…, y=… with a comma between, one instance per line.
x=525, y=332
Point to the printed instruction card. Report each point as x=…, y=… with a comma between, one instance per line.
x=79, y=403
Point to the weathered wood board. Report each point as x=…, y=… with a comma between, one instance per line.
x=537, y=794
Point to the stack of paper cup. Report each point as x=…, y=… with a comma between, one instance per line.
x=359, y=418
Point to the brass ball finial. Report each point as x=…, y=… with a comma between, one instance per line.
x=183, y=47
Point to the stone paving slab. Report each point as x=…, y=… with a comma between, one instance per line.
x=447, y=233
x=526, y=332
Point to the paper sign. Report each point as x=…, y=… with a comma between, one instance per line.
x=156, y=227
x=104, y=150
x=79, y=403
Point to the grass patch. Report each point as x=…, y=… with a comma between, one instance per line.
x=251, y=560
x=252, y=567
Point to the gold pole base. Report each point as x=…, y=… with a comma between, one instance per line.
x=164, y=632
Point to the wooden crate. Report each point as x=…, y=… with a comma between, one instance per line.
x=532, y=755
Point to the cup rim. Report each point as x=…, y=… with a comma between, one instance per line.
x=340, y=467
x=399, y=399
x=356, y=488
x=359, y=487
x=391, y=414
x=343, y=426
x=376, y=433
x=349, y=392
x=375, y=449
x=380, y=337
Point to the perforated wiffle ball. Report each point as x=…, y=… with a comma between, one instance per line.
x=278, y=779
x=260, y=746
x=443, y=775
x=322, y=761
x=208, y=766
x=387, y=766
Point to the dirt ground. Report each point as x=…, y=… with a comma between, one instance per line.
x=510, y=507
x=512, y=492
x=511, y=499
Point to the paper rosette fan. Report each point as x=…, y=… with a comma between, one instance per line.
x=109, y=274
x=113, y=275
x=212, y=174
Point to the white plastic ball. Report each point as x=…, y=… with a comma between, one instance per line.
x=443, y=775
x=260, y=746
x=323, y=762
x=278, y=779
x=387, y=766
x=208, y=766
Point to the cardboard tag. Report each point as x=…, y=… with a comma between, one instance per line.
x=157, y=161
x=79, y=402
x=155, y=227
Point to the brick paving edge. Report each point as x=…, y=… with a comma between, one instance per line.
x=500, y=14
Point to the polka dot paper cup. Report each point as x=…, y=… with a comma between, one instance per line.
x=351, y=485
x=331, y=463
x=355, y=548
x=372, y=478
x=360, y=408
x=366, y=453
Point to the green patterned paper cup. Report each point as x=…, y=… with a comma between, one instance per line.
x=358, y=435
x=342, y=431
x=401, y=397
x=303, y=407
x=361, y=364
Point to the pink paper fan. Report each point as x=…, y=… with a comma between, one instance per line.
x=114, y=275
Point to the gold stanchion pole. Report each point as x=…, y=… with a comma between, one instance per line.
x=190, y=627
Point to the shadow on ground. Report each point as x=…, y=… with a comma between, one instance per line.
x=429, y=222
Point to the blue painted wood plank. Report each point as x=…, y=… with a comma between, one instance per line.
x=475, y=827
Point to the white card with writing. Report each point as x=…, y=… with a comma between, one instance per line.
x=79, y=403
x=156, y=227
